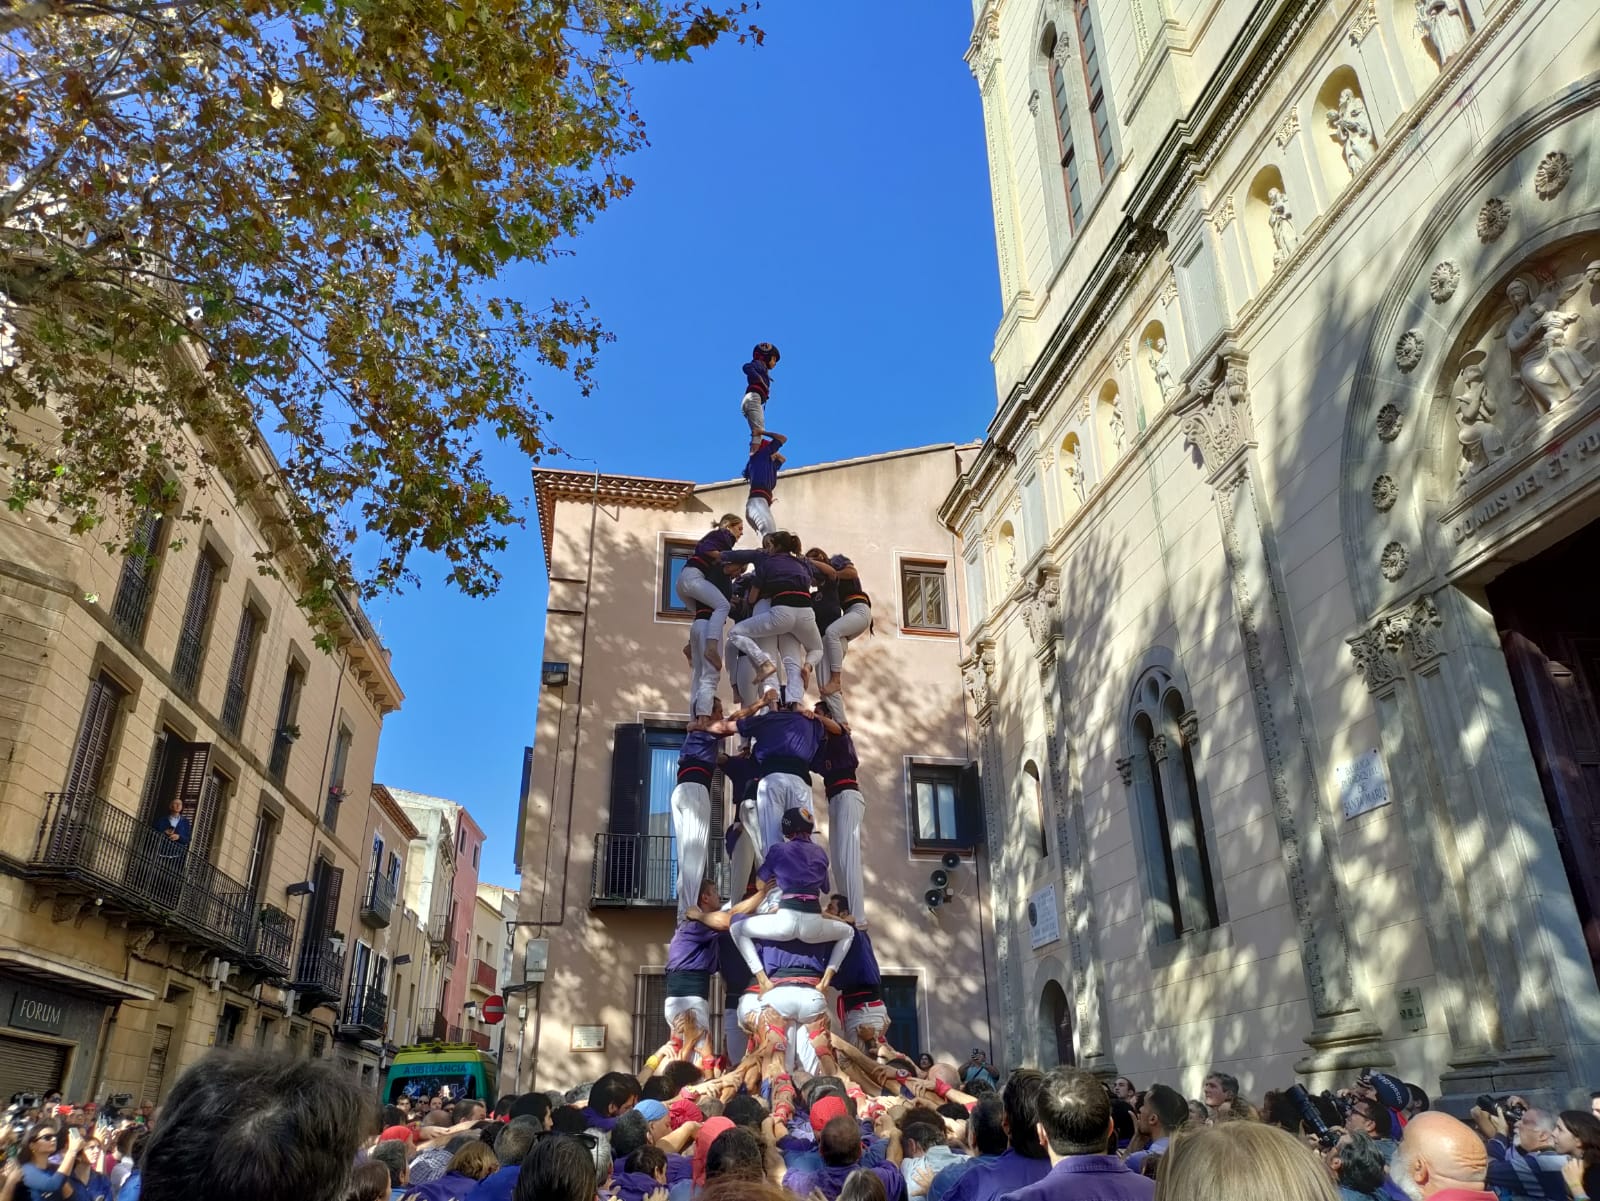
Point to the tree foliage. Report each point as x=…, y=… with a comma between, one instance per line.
x=220, y=215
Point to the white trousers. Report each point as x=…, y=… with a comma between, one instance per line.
x=856, y=620
x=776, y=794
x=749, y=1009
x=872, y=1016
x=744, y=854
x=742, y=671
x=800, y=622
x=676, y=1007
x=845, y=811
x=785, y=925
x=758, y=511
x=691, y=826
x=755, y=412
x=702, y=676
x=694, y=589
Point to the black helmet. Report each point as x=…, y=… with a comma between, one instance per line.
x=798, y=821
x=764, y=351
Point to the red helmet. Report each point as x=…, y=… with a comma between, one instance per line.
x=765, y=350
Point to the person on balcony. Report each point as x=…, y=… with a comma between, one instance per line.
x=173, y=832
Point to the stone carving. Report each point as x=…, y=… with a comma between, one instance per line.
x=1281, y=221
x=1374, y=660
x=1493, y=218
x=1033, y=102
x=977, y=673
x=1123, y=355
x=1443, y=26
x=1038, y=608
x=1189, y=728
x=1422, y=630
x=1390, y=422
x=1219, y=423
x=1125, y=770
x=1415, y=629
x=1554, y=170
x=1158, y=748
x=1480, y=439
x=1169, y=292
x=1222, y=216
x=1384, y=493
x=1352, y=129
x=1365, y=21
x=1119, y=427
x=1408, y=351
x=1550, y=370
x=1074, y=473
x=1394, y=561
x=1442, y=283
x=1158, y=365
x=1287, y=128
x=1047, y=461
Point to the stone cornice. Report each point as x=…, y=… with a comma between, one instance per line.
x=633, y=491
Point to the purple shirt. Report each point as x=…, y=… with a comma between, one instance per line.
x=1087, y=1178
x=829, y=1180
x=859, y=972
x=794, y=958
x=697, y=760
x=693, y=949
x=799, y=866
x=1010, y=1172
x=784, y=735
x=836, y=761
x=718, y=540
x=598, y=1121
x=785, y=580
x=743, y=773
x=498, y=1185
x=736, y=976
x=761, y=471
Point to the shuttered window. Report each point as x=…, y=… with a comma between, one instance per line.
x=650, y=1028
x=181, y=769
x=1099, y=113
x=99, y=723
x=28, y=1066
x=236, y=697
x=131, y=605
x=286, y=731
x=156, y=1071
x=196, y=621
x=341, y=761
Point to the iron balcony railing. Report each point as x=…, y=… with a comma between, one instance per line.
x=366, y=1013
x=478, y=1039
x=641, y=871
x=319, y=970
x=484, y=975
x=272, y=942
x=439, y=930
x=377, y=902
x=130, y=867
x=431, y=1026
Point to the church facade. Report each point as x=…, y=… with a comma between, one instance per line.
x=1274, y=552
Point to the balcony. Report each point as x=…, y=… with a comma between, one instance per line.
x=272, y=943
x=640, y=871
x=89, y=847
x=439, y=931
x=364, y=1016
x=433, y=1028
x=484, y=977
x=377, y=903
x=478, y=1039
x=318, y=971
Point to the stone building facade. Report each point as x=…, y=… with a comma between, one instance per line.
x=1275, y=544
x=182, y=676
x=597, y=854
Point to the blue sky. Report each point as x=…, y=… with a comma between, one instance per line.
x=827, y=192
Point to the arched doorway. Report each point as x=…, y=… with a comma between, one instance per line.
x=1055, y=1024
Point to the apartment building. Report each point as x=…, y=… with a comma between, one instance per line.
x=597, y=851
x=495, y=910
x=177, y=680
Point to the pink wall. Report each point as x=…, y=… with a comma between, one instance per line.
x=469, y=850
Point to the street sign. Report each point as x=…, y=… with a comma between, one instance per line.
x=493, y=1010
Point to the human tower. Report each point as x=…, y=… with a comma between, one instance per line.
x=786, y=935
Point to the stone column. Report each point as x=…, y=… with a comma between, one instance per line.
x=1091, y=1028
x=978, y=674
x=1216, y=419
x=984, y=59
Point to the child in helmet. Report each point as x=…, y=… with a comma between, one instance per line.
x=758, y=387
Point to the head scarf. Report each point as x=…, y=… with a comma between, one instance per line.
x=702, y=1144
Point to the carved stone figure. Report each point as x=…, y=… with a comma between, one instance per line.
x=1119, y=428
x=1281, y=222
x=1158, y=364
x=1550, y=370
x=1352, y=129
x=1480, y=438
x=1074, y=471
x=1444, y=26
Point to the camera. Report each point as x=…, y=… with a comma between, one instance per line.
x=1502, y=1106
x=1318, y=1115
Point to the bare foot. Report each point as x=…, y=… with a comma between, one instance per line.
x=763, y=984
x=763, y=670
x=686, y=653
x=833, y=687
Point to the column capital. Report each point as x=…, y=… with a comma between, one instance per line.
x=1039, y=597
x=977, y=673
x=1215, y=416
x=1396, y=642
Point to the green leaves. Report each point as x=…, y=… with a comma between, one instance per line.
x=293, y=212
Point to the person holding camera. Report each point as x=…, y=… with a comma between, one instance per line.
x=1523, y=1161
x=1359, y=1168
x=978, y=1068
x=40, y=1181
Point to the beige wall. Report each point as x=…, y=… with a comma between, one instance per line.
x=903, y=698
x=56, y=594
x=1252, y=557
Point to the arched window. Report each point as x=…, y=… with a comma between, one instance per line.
x=1035, y=804
x=1055, y=1023
x=1057, y=53
x=1167, y=806
x=1099, y=113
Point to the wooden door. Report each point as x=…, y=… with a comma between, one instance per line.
x=1550, y=631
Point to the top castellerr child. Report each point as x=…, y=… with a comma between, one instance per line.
x=758, y=386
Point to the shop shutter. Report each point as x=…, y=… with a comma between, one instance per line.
x=156, y=1072
x=27, y=1066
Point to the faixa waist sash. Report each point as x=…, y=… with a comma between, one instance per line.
x=792, y=600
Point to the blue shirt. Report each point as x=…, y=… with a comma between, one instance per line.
x=1006, y=1174
x=497, y=1186
x=859, y=972
x=736, y=976
x=758, y=378
x=947, y=1178
x=761, y=471
x=44, y=1184
x=131, y=1187
x=1136, y=1161
x=1087, y=1178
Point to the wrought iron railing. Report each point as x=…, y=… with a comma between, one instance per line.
x=319, y=969
x=133, y=867
x=377, y=902
x=272, y=941
x=641, y=870
x=367, y=1011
